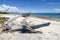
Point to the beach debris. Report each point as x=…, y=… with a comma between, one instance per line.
x=26, y=27
x=26, y=15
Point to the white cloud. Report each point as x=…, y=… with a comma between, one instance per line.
x=57, y=10
x=7, y=8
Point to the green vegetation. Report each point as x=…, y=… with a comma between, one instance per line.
x=1, y=19
x=3, y=13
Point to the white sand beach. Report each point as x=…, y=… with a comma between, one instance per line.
x=51, y=32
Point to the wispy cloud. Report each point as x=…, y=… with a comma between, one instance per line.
x=57, y=10
x=7, y=8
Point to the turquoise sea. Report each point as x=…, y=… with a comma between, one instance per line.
x=53, y=15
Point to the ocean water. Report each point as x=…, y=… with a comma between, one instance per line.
x=53, y=15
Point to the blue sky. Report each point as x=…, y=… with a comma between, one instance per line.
x=36, y=6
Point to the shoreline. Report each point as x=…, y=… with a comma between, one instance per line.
x=32, y=15
x=47, y=18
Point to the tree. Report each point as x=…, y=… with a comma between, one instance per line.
x=3, y=13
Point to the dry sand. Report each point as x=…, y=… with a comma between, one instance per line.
x=51, y=32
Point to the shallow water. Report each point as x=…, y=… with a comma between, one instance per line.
x=54, y=15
